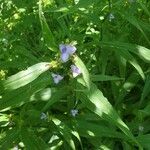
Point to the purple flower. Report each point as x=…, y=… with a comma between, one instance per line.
x=43, y=116
x=75, y=71
x=66, y=51
x=74, y=112
x=57, y=78
x=111, y=17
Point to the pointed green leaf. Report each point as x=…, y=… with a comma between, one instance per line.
x=133, y=20
x=25, y=94
x=142, y=52
x=85, y=73
x=97, y=103
x=132, y=61
x=124, y=48
x=24, y=77
x=47, y=33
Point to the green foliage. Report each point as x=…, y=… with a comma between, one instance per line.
x=24, y=77
x=102, y=101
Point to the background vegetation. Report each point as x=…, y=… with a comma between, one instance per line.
x=107, y=107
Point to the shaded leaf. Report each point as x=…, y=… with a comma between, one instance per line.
x=89, y=129
x=65, y=131
x=47, y=33
x=123, y=51
x=9, y=140
x=133, y=20
x=56, y=96
x=142, y=52
x=144, y=140
x=31, y=141
x=127, y=86
x=146, y=89
x=104, y=78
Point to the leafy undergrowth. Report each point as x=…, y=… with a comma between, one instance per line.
x=74, y=74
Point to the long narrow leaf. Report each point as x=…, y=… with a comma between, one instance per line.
x=25, y=94
x=24, y=77
x=84, y=70
x=142, y=52
x=96, y=102
x=47, y=33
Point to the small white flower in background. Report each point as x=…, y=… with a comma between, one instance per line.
x=66, y=51
x=15, y=148
x=141, y=128
x=74, y=112
x=111, y=17
x=43, y=116
x=75, y=71
x=57, y=78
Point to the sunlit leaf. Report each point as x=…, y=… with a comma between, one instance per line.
x=124, y=48
x=25, y=94
x=24, y=77
x=97, y=103
x=142, y=52
x=83, y=69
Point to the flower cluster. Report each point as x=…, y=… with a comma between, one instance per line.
x=66, y=52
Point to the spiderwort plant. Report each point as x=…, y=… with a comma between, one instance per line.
x=57, y=78
x=75, y=71
x=66, y=51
